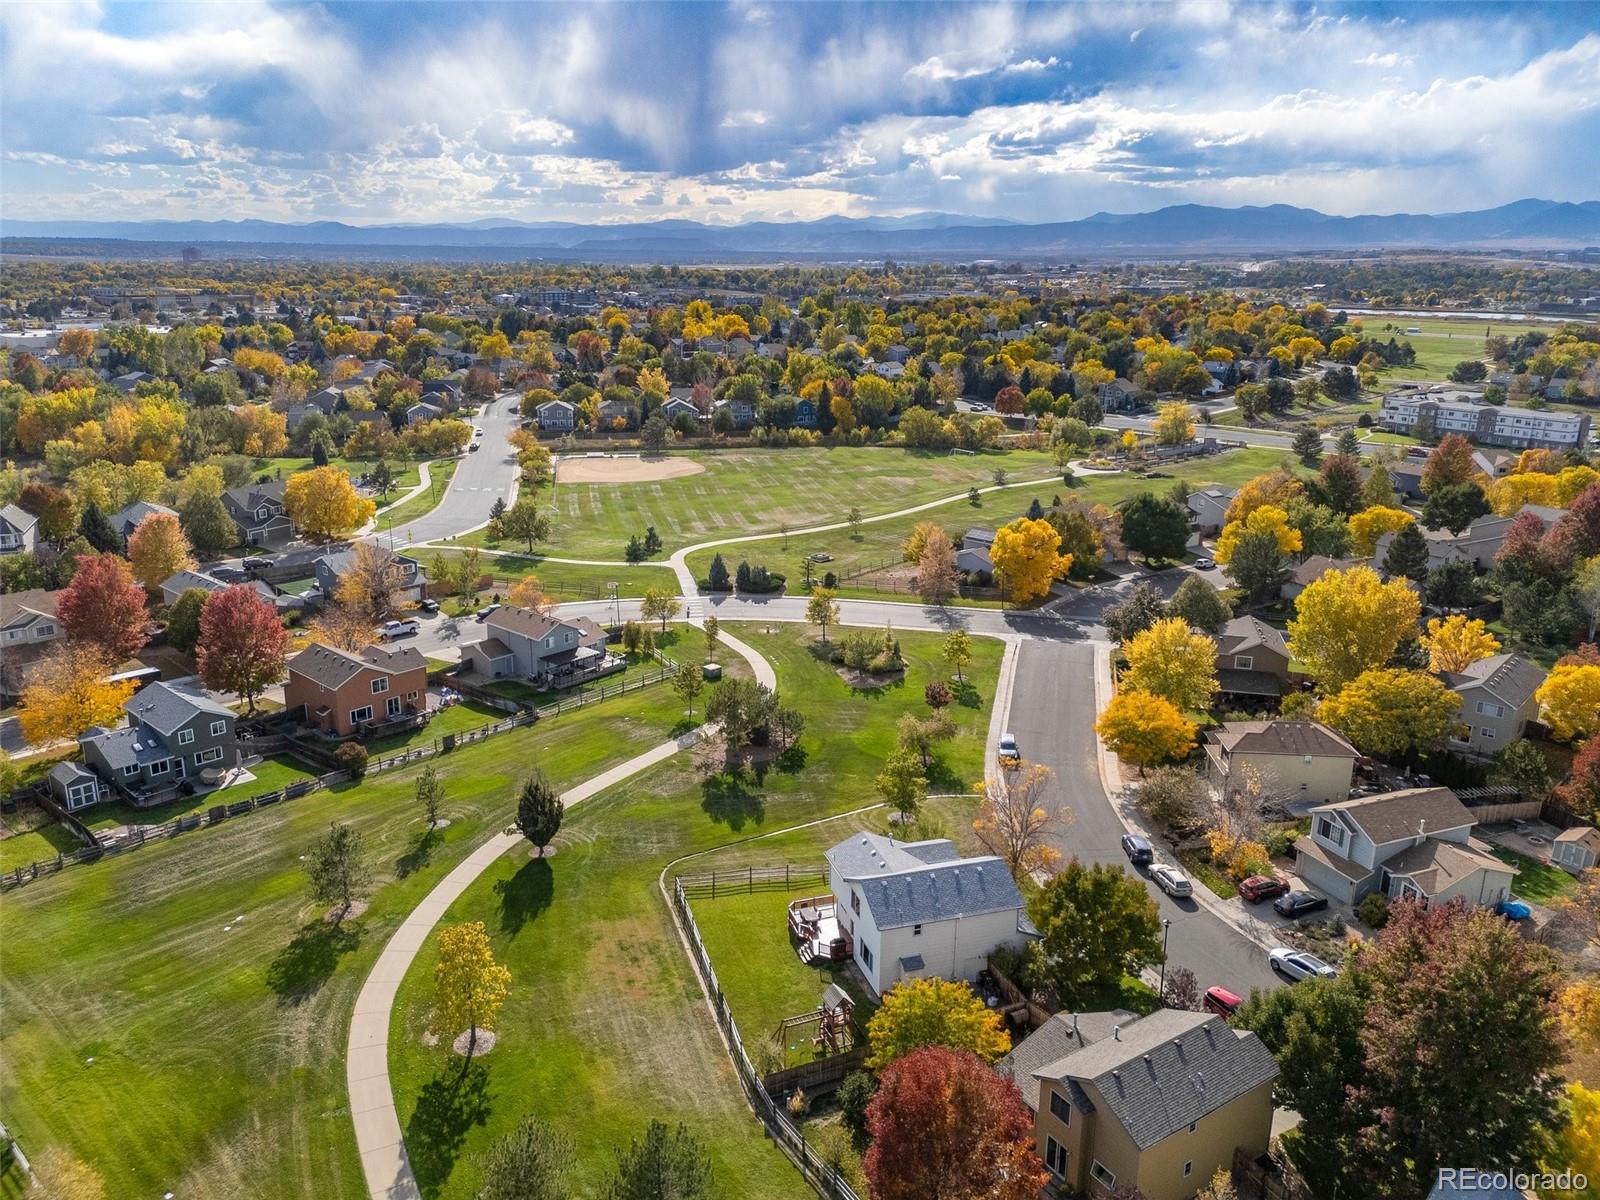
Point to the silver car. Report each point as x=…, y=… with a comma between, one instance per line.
x=1171, y=881
x=1298, y=964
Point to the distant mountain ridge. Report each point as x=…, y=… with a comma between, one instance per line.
x=1184, y=227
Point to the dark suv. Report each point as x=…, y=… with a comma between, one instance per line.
x=1139, y=851
x=1298, y=904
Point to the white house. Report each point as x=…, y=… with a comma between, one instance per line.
x=918, y=910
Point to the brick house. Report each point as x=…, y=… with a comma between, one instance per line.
x=342, y=692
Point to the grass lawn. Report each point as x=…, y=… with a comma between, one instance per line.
x=458, y=718
x=879, y=543
x=24, y=847
x=746, y=491
x=567, y=581
x=218, y=1057
x=605, y=1027
x=1198, y=863
x=272, y=774
x=406, y=476
x=1442, y=342
x=1536, y=881
x=440, y=472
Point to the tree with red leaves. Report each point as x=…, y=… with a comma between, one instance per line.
x=1526, y=555
x=1577, y=533
x=1449, y=464
x=242, y=643
x=104, y=606
x=944, y=1127
x=1009, y=399
x=1580, y=791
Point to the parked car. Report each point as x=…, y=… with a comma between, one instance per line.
x=1298, y=964
x=1220, y=1001
x=1007, y=751
x=473, y=449
x=487, y=611
x=257, y=564
x=390, y=630
x=1263, y=887
x=1138, y=849
x=1171, y=881
x=1298, y=904
x=428, y=606
x=1204, y=564
x=228, y=574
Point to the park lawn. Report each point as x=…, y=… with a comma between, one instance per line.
x=605, y=1027
x=406, y=476
x=40, y=844
x=877, y=544
x=748, y=491
x=440, y=472
x=567, y=581
x=219, y=1056
x=458, y=718
x=1443, y=341
x=1537, y=881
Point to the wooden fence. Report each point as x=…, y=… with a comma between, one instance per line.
x=1258, y=1180
x=791, y=1138
x=751, y=879
x=816, y=1078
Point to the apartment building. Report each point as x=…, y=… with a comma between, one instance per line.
x=1440, y=409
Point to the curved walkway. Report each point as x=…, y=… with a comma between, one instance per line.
x=379, y=1139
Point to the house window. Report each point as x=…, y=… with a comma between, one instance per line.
x=261, y=514
x=394, y=706
x=380, y=685
x=358, y=715
x=45, y=631
x=208, y=756
x=131, y=770
x=411, y=695
x=855, y=902
x=1488, y=733
x=185, y=736
x=1485, y=709
x=916, y=931
x=13, y=634
x=1055, y=1156
x=1060, y=1109
x=160, y=767
x=218, y=728
x=80, y=795
x=1193, y=1125
x=1188, y=1168
x=1243, y=662
x=1102, y=1176
x=866, y=955
x=1330, y=830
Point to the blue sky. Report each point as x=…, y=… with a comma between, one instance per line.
x=377, y=112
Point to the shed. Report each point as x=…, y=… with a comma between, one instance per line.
x=1577, y=849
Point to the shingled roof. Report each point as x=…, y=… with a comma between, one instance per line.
x=913, y=883
x=1407, y=813
x=1061, y=1035
x=168, y=705
x=331, y=668
x=1282, y=737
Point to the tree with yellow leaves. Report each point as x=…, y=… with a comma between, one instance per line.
x=1268, y=518
x=1507, y=496
x=1570, y=697
x=1130, y=441
x=1347, y=622
x=1275, y=487
x=158, y=550
x=263, y=433
x=1389, y=710
x=469, y=985
x=1027, y=556
x=1368, y=525
x=1171, y=661
x=934, y=1012
x=1580, y=1014
x=1145, y=729
x=324, y=504
x=913, y=545
x=1018, y=813
x=529, y=593
x=1174, y=424
x=1455, y=643
x=67, y=692
x=1576, y=1145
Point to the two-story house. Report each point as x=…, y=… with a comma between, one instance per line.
x=1118, y=396
x=619, y=414
x=126, y=520
x=1415, y=843
x=410, y=579
x=740, y=412
x=343, y=692
x=1153, y=1105
x=1294, y=762
x=1303, y=574
x=918, y=910
x=175, y=731
x=19, y=530
x=1208, y=509
x=973, y=556
x=28, y=628
x=556, y=416
x=524, y=644
x=1496, y=702
x=805, y=413
x=1252, y=660
x=423, y=411
x=257, y=509
x=1477, y=544
x=678, y=406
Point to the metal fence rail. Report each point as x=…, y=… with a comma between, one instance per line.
x=790, y=1137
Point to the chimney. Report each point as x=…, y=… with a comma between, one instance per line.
x=1422, y=827
x=1074, y=1024
x=1116, y=1033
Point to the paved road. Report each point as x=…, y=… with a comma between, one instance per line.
x=482, y=476
x=1223, y=433
x=1052, y=715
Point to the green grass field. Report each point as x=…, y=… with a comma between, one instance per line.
x=605, y=1027
x=172, y=1054
x=440, y=472
x=751, y=491
x=1442, y=342
x=568, y=581
x=1537, y=881
x=879, y=542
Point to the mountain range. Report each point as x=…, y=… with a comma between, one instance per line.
x=1184, y=228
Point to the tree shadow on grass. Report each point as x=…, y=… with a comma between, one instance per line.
x=728, y=799
x=526, y=894
x=419, y=855
x=966, y=694
x=304, y=965
x=448, y=1106
x=684, y=725
x=793, y=760
x=941, y=778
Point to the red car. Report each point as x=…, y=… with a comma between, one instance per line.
x=1220, y=1001
x=1263, y=887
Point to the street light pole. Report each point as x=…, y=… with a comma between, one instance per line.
x=1166, y=932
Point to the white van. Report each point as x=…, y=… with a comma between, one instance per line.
x=390, y=630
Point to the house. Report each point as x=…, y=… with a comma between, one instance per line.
x=257, y=509
x=1118, y=396
x=1412, y=843
x=28, y=627
x=556, y=416
x=1496, y=702
x=740, y=412
x=1208, y=509
x=1292, y=760
x=613, y=411
x=1477, y=544
x=445, y=392
x=524, y=644
x=1576, y=849
x=127, y=520
x=679, y=406
x=342, y=692
x=1151, y=1104
x=75, y=786
x=177, y=584
x=1494, y=463
x=1406, y=478
x=973, y=555
x=423, y=411
x=19, y=530
x=1302, y=575
x=1252, y=659
x=805, y=413
x=126, y=383
x=916, y=910
x=885, y=370
x=175, y=731
x=410, y=578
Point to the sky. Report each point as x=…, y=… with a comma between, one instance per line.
x=374, y=113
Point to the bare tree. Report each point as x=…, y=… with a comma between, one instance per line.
x=1019, y=816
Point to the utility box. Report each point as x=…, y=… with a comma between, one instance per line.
x=711, y=671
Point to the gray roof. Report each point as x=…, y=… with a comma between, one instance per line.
x=1168, y=1070
x=253, y=495
x=20, y=518
x=1512, y=679
x=1282, y=737
x=138, y=511
x=1242, y=633
x=182, y=581
x=1058, y=1037
x=873, y=854
x=68, y=773
x=1318, y=564
x=1232, y=681
x=168, y=705
x=917, y=882
x=331, y=668
x=1403, y=814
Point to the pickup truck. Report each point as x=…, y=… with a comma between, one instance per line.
x=390, y=630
